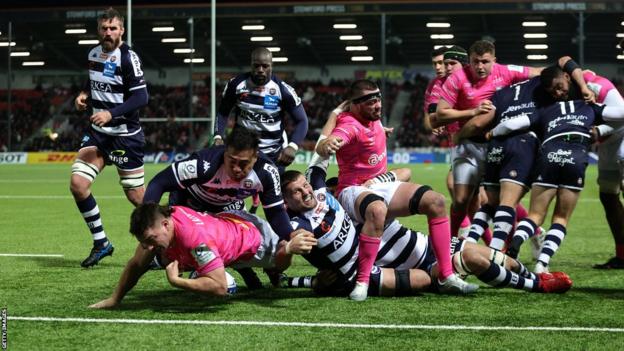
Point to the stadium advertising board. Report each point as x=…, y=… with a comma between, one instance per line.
x=164, y=157
x=304, y=157
x=13, y=158
x=51, y=157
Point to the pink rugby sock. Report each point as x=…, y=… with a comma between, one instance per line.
x=441, y=241
x=367, y=253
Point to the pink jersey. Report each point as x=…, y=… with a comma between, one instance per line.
x=599, y=85
x=432, y=93
x=205, y=242
x=463, y=91
x=363, y=154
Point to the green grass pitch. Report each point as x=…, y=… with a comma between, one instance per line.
x=38, y=216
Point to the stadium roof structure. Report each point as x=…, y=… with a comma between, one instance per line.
x=304, y=31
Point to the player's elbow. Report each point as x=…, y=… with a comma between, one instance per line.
x=219, y=290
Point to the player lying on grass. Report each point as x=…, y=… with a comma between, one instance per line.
x=206, y=243
x=405, y=263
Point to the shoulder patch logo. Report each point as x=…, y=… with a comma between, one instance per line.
x=202, y=254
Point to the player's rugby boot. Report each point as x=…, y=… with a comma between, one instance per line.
x=555, y=282
x=97, y=253
x=612, y=263
x=455, y=285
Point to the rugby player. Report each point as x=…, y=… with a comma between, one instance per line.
x=564, y=131
x=452, y=58
x=260, y=100
x=563, y=85
x=115, y=91
x=205, y=243
x=465, y=94
x=359, y=140
x=404, y=263
x=220, y=178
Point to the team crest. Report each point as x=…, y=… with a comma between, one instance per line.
x=247, y=183
x=272, y=91
x=320, y=197
x=190, y=168
x=513, y=173
x=580, y=181
x=113, y=58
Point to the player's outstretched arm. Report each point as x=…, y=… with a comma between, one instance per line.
x=212, y=283
x=131, y=274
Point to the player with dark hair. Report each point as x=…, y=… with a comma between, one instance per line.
x=115, y=91
x=359, y=140
x=563, y=84
x=464, y=95
x=204, y=243
x=453, y=59
x=259, y=100
x=564, y=131
x=220, y=178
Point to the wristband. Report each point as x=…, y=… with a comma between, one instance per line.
x=570, y=66
x=287, y=248
x=337, y=111
x=294, y=146
x=217, y=136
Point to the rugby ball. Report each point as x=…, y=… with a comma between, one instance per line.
x=231, y=284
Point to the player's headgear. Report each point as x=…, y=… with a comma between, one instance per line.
x=456, y=53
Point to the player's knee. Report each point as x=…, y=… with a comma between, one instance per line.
x=402, y=283
x=428, y=202
x=132, y=181
x=376, y=213
x=83, y=174
x=373, y=209
x=135, y=195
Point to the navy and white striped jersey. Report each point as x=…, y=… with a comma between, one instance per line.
x=112, y=78
x=204, y=177
x=261, y=108
x=338, y=237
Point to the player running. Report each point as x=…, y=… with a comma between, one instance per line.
x=116, y=90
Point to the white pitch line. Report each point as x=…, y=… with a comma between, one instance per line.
x=319, y=325
x=42, y=181
x=29, y=255
x=54, y=197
